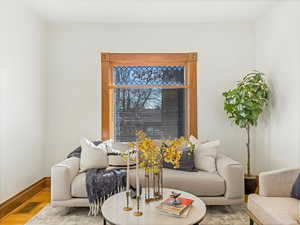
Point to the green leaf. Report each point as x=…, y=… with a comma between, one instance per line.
x=246, y=102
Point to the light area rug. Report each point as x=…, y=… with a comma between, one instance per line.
x=216, y=215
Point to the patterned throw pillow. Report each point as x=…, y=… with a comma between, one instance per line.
x=186, y=162
x=114, y=150
x=115, y=160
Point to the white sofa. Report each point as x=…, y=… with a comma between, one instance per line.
x=273, y=205
x=226, y=187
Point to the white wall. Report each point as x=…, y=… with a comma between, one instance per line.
x=226, y=52
x=278, y=55
x=72, y=108
x=22, y=98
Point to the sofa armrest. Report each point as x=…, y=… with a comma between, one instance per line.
x=62, y=175
x=277, y=183
x=233, y=174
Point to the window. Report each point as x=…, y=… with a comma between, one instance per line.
x=157, y=111
x=151, y=92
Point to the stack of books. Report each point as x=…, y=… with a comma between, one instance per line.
x=181, y=210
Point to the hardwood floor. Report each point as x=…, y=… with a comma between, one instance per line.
x=28, y=209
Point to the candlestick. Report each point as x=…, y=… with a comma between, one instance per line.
x=127, y=181
x=127, y=208
x=138, y=212
x=137, y=174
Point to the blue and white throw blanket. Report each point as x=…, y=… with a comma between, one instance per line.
x=101, y=183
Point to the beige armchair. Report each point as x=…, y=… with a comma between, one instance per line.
x=273, y=205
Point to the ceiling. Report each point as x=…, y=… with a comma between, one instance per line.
x=152, y=11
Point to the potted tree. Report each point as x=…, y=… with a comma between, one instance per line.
x=243, y=105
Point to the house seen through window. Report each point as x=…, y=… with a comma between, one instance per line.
x=149, y=101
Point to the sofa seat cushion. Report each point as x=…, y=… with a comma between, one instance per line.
x=198, y=183
x=274, y=210
x=78, y=186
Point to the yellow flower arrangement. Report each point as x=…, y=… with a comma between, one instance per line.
x=153, y=154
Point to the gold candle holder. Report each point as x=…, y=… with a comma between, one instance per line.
x=127, y=208
x=138, y=212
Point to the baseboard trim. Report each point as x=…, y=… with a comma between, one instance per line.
x=15, y=201
x=47, y=182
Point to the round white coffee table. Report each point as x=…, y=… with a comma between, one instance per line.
x=113, y=213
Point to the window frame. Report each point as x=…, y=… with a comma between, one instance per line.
x=109, y=60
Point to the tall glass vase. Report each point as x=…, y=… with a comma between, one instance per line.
x=153, y=183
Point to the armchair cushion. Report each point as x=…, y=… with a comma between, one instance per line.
x=274, y=210
x=277, y=183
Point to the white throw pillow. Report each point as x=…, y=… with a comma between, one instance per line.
x=92, y=156
x=205, y=154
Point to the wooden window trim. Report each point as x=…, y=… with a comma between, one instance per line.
x=108, y=60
